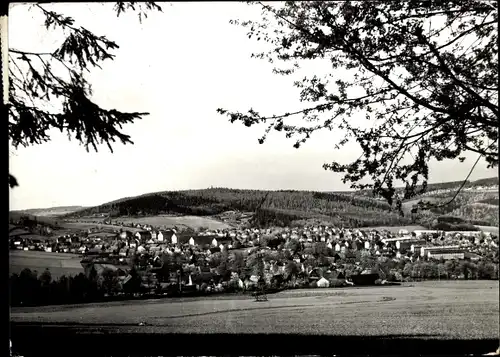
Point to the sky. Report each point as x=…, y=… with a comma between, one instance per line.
x=179, y=66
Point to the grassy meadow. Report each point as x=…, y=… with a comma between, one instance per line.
x=193, y=222
x=58, y=263
x=442, y=310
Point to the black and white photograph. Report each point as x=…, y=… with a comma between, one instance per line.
x=246, y=178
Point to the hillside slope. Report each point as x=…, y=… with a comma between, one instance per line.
x=276, y=207
x=477, y=204
x=50, y=212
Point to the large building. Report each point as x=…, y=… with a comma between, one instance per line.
x=447, y=252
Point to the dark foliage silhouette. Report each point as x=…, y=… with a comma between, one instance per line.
x=420, y=83
x=41, y=98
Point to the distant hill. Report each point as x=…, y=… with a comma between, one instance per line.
x=291, y=207
x=477, y=204
x=451, y=185
x=50, y=212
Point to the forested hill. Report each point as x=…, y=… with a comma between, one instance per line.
x=451, y=185
x=276, y=207
x=350, y=209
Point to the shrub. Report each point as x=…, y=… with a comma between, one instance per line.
x=337, y=283
x=450, y=219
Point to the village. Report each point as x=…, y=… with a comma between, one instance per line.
x=314, y=256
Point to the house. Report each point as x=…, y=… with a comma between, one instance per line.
x=470, y=233
x=168, y=236
x=143, y=235
x=417, y=247
x=405, y=245
x=191, y=241
x=419, y=233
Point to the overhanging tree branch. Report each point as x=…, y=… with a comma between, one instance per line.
x=38, y=84
x=439, y=95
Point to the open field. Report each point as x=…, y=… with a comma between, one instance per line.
x=58, y=263
x=490, y=229
x=395, y=229
x=51, y=212
x=436, y=310
x=83, y=225
x=193, y=222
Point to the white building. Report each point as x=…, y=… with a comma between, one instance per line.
x=419, y=233
x=445, y=252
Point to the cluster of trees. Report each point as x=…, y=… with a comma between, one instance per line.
x=32, y=289
x=480, y=214
x=452, y=223
x=35, y=225
x=29, y=288
x=490, y=201
x=32, y=222
x=491, y=181
x=450, y=269
x=451, y=186
x=352, y=218
x=454, y=185
x=471, y=207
